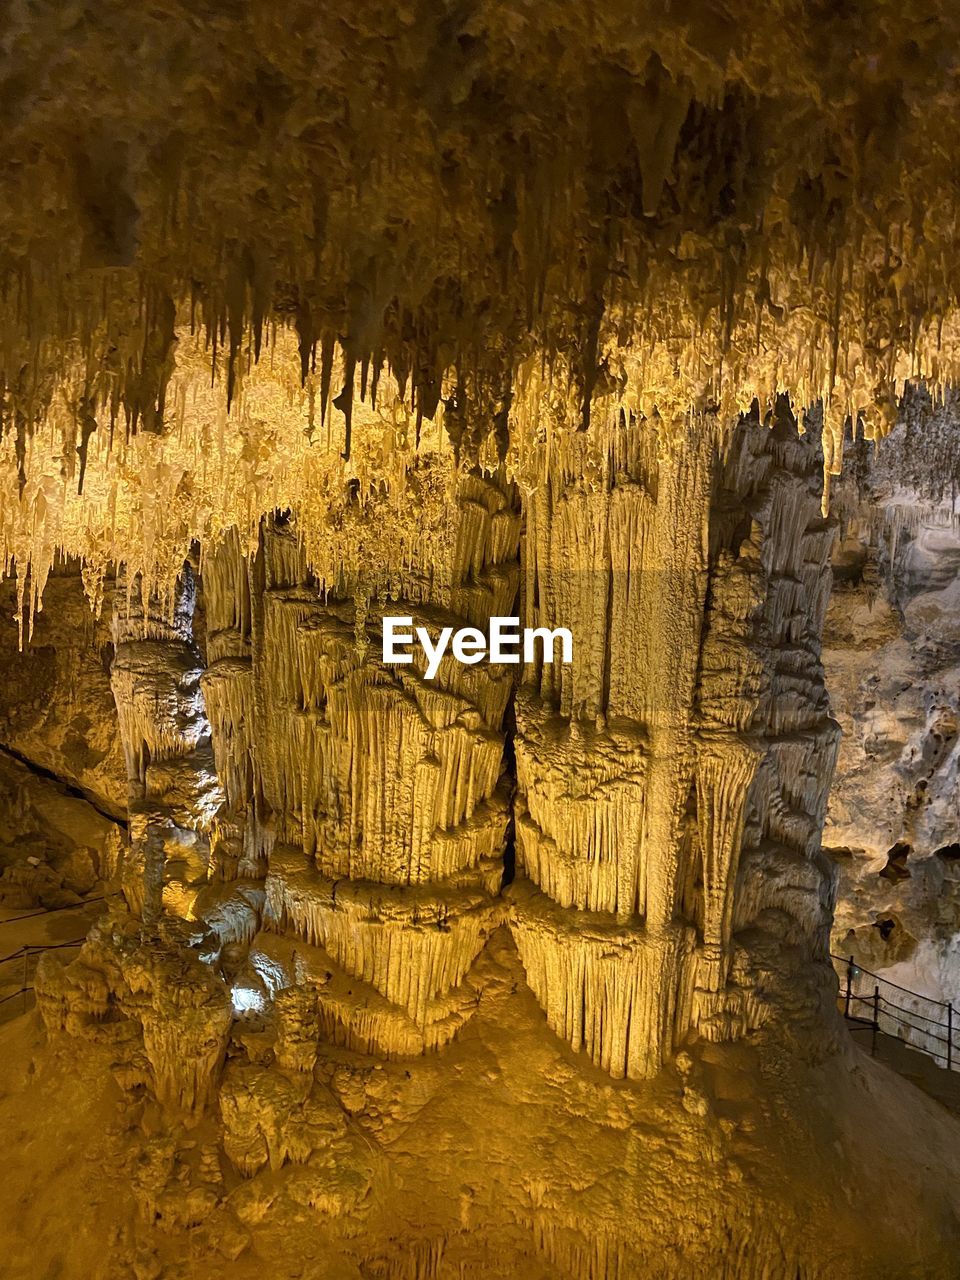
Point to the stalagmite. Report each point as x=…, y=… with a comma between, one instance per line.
x=154, y=999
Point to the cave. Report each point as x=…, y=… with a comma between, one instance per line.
x=481, y=631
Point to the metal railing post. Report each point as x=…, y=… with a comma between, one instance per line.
x=949, y=1037
x=26, y=975
x=846, y=1003
x=876, y=1019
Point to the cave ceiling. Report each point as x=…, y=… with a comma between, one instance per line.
x=258, y=255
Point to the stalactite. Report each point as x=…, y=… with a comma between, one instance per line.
x=353, y=1012
x=411, y=944
x=723, y=777
x=612, y=990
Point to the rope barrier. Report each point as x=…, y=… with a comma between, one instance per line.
x=24, y=954
x=36, y=949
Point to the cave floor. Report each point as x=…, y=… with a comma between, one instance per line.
x=919, y=1068
x=506, y=1154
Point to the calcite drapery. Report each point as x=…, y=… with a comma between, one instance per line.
x=670, y=781
x=388, y=810
x=689, y=746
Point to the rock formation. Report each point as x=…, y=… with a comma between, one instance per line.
x=672, y=781
x=596, y=316
x=56, y=707
x=62, y=790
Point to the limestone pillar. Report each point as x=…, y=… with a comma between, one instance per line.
x=172, y=782
x=689, y=747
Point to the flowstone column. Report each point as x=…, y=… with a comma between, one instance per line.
x=386, y=789
x=148, y=978
x=692, y=714
x=616, y=550
x=241, y=833
x=762, y=683
x=172, y=782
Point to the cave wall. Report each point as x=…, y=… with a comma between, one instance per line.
x=63, y=801
x=892, y=658
x=56, y=706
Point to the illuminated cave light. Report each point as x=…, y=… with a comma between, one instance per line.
x=246, y=1000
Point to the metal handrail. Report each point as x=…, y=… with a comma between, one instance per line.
x=944, y=1004
x=49, y=911
x=37, y=948
x=880, y=1005
x=24, y=953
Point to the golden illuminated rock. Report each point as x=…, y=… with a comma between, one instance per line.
x=317, y=316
